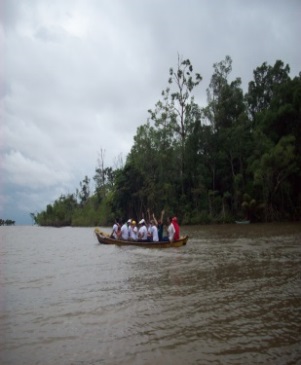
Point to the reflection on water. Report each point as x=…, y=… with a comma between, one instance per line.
x=231, y=296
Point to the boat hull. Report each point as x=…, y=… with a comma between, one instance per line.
x=104, y=238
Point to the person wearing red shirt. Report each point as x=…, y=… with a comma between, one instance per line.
x=177, y=228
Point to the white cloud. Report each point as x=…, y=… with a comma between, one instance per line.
x=30, y=173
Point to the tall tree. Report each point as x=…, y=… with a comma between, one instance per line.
x=225, y=99
x=262, y=89
x=84, y=191
x=275, y=106
x=178, y=109
x=272, y=173
x=104, y=177
x=226, y=114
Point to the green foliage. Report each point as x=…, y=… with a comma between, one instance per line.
x=59, y=214
x=93, y=214
x=84, y=192
x=239, y=157
x=7, y=222
x=263, y=88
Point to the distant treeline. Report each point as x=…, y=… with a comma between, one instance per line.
x=237, y=158
x=6, y=222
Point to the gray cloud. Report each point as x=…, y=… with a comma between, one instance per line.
x=79, y=76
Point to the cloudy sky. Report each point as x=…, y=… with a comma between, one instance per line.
x=78, y=76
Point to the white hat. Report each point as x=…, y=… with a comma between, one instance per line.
x=142, y=221
x=129, y=221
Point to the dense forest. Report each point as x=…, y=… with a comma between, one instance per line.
x=237, y=158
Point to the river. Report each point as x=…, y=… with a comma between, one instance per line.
x=232, y=295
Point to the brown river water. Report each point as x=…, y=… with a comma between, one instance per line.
x=231, y=296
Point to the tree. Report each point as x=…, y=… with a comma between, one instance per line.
x=84, y=193
x=272, y=172
x=129, y=199
x=274, y=104
x=178, y=109
x=225, y=99
x=7, y=222
x=263, y=87
x=33, y=218
x=226, y=114
x=104, y=178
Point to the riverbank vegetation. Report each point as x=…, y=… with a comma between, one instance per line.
x=239, y=157
x=7, y=222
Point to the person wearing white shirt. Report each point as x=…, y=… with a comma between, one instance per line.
x=116, y=227
x=142, y=232
x=125, y=230
x=154, y=232
x=170, y=231
x=133, y=231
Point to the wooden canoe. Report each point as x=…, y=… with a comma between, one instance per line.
x=104, y=238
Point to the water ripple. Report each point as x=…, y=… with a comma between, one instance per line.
x=228, y=297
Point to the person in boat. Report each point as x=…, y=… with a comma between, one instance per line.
x=159, y=224
x=124, y=232
x=149, y=231
x=177, y=228
x=133, y=231
x=148, y=226
x=154, y=237
x=116, y=229
x=142, y=231
x=170, y=231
